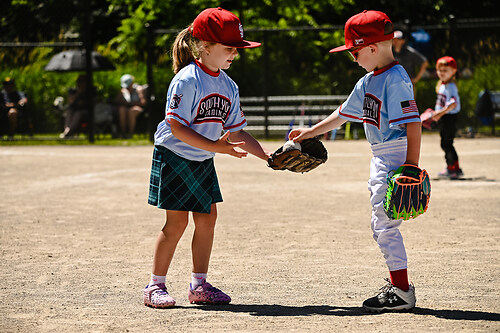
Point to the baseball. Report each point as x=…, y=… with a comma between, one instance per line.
x=290, y=145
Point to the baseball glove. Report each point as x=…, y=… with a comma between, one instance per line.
x=426, y=118
x=300, y=158
x=408, y=192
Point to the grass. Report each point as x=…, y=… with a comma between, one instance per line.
x=53, y=139
x=142, y=139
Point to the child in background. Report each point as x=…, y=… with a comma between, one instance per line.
x=446, y=112
x=201, y=102
x=383, y=101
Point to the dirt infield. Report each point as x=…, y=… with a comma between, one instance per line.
x=294, y=251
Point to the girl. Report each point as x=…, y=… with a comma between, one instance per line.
x=201, y=102
x=446, y=109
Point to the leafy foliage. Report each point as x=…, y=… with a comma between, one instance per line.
x=297, y=61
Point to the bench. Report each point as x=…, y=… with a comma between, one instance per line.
x=276, y=115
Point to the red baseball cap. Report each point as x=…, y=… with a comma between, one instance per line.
x=364, y=29
x=220, y=26
x=448, y=61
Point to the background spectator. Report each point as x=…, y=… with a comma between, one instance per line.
x=78, y=107
x=13, y=102
x=130, y=101
x=413, y=61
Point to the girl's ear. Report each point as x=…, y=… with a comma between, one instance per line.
x=206, y=47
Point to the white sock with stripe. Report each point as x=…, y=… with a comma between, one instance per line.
x=197, y=279
x=157, y=279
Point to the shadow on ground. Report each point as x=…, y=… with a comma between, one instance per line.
x=276, y=310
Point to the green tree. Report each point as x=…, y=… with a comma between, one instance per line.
x=298, y=60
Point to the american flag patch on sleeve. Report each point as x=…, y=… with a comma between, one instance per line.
x=409, y=106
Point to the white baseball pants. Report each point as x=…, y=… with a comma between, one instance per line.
x=387, y=156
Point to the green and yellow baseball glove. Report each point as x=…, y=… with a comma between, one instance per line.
x=408, y=192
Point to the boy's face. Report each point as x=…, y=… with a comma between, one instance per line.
x=365, y=57
x=445, y=73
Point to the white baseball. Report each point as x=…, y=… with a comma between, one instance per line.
x=290, y=145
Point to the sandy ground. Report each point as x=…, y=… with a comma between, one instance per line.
x=294, y=251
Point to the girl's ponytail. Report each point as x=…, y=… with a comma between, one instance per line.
x=183, y=50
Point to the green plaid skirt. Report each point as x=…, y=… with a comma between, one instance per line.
x=180, y=184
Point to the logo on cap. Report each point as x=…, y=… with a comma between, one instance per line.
x=241, y=30
x=368, y=27
x=220, y=26
x=359, y=41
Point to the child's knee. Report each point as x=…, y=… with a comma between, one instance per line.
x=207, y=222
x=176, y=225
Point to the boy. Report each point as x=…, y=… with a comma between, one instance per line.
x=383, y=100
x=446, y=110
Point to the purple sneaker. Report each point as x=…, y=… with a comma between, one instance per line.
x=206, y=294
x=157, y=296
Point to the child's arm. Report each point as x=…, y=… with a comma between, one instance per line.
x=442, y=112
x=331, y=122
x=251, y=144
x=191, y=137
x=413, y=133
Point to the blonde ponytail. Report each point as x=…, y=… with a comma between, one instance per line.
x=438, y=85
x=184, y=50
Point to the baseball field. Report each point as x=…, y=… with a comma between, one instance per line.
x=294, y=251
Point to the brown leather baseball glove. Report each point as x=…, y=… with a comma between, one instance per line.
x=311, y=154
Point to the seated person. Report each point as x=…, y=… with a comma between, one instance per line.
x=77, y=108
x=13, y=102
x=130, y=102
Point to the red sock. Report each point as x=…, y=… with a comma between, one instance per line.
x=399, y=279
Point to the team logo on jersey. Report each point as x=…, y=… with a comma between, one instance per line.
x=213, y=108
x=441, y=100
x=371, y=110
x=176, y=100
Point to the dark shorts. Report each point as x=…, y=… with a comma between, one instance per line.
x=180, y=184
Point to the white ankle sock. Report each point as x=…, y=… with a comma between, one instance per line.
x=157, y=279
x=197, y=279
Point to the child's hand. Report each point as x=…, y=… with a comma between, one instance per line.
x=436, y=116
x=224, y=146
x=300, y=134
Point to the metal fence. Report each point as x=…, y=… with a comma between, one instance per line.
x=269, y=112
